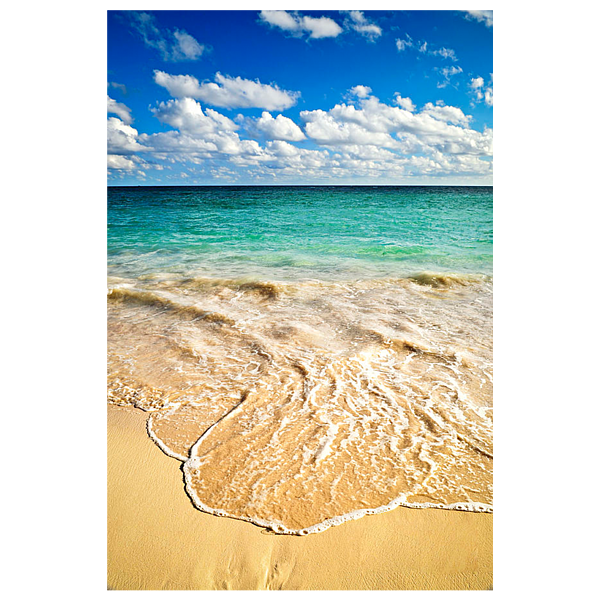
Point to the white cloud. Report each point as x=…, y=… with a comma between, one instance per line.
x=179, y=86
x=448, y=114
x=281, y=19
x=122, y=144
x=299, y=25
x=476, y=86
x=424, y=48
x=480, y=93
x=405, y=103
x=404, y=44
x=228, y=92
x=359, y=23
x=447, y=74
x=441, y=129
x=187, y=47
x=364, y=140
x=118, y=162
x=483, y=16
x=173, y=45
x=187, y=115
x=445, y=53
x=322, y=27
x=362, y=91
x=295, y=23
x=119, y=109
x=329, y=129
x=279, y=128
x=121, y=138
x=198, y=130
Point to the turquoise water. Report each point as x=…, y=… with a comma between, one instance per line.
x=296, y=233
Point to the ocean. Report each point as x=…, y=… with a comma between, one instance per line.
x=311, y=354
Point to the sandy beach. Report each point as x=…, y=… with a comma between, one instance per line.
x=157, y=539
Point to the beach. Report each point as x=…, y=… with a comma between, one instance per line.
x=158, y=540
x=300, y=384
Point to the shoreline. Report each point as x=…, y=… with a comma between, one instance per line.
x=157, y=539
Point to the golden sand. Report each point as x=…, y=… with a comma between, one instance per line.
x=157, y=539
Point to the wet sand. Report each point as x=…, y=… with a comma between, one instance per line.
x=157, y=539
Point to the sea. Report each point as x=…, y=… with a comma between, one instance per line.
x=311, y=354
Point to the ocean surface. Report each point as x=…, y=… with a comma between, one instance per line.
x=311, y=354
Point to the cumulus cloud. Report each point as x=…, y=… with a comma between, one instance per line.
x=448, y=114
x=119, y=86
x=365, y=138
x=279, y=128
x=405, y=103
x=187, y=115
x=361, y=91
x=298, y=25
x=437, y=128
x=173, y=45
x=119, y=109
x=122, y=147
x=121, y=138
x=481, y=93
x=228, y=92
x=483, y=16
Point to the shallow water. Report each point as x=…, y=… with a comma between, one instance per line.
x=303, y=392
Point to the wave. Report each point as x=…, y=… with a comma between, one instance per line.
x=447, y=280
x=123, y=294
x=312, y=403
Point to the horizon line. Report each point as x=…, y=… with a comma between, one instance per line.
x=301, y=185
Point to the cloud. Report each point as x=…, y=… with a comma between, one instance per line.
x=424, y=48
x=483, y=16
x=187, y=115
x=447, y=73
x=322, y=27
x=121, y=138
x=479, y=92
x=436, y=129
x=298, y=25
x=173, y=45
x=366, y=140
x=444, y=53
x=281, y=19
x=228, y=92
x=122, y=143
x=119, y=109
x=362, y=91
x=404, y=44
x=118, y=86
x=118, y=162
x=280, y=128
x=448, y=114
x=358, y=22
x=405, y=103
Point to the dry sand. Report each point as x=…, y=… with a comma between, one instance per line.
x=157, y=540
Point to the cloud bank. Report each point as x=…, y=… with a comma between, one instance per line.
x=362, y=137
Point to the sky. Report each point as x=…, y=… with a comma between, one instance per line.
x=300, y=97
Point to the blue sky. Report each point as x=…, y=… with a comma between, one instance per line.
x=300, y=97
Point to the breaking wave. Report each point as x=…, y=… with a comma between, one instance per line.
x=297, y=406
